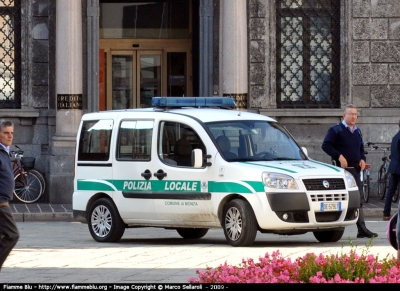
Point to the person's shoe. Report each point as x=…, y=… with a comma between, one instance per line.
x=366, y=233
x=387, y=218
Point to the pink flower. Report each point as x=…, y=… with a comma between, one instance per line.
x=273, y=268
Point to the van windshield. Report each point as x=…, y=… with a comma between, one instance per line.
x=254, y=140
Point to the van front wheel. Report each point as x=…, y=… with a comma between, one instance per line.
x=192, y=233
x=105, y=224
x=239, y=223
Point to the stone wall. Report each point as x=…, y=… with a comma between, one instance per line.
x=261, y=60
x=370, y=75
x=376, y=51
x=34, y=122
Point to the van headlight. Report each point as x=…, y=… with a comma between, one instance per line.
x=350, y=179
x=278, y=181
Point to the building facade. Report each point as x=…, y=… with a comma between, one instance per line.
x=298, y=61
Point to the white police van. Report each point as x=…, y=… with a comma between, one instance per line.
x=186, y=165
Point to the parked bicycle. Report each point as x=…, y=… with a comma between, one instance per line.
x=365, y=174
x=30, y=183
x=384, y=177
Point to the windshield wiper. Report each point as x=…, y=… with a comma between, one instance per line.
x=258, y=159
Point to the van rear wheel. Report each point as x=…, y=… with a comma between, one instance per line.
x=239, y=223
x=105, y=223
x=329, y=235
x=192, y=233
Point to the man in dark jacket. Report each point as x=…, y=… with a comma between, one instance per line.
x=344, y=144
x=9, y=233
x=394, y=170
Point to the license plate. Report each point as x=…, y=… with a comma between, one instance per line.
x=331, y=206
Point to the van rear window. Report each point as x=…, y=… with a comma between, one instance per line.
x=94, y=140
x=134, y=140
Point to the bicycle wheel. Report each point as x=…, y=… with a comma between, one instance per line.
x=382, y=182
x=366, y=185
x=28, y=188
x=41, y=177
x=396, y=195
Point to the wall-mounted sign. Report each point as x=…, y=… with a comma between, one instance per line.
x=69, y=101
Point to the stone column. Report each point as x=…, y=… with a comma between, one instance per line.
x=92, y=39
x=206, y=47
x=69, y=89
x=234, y=50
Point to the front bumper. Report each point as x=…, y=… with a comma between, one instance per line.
x=295, y=208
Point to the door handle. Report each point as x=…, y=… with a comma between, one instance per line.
x=146, y=174
x=160, y=174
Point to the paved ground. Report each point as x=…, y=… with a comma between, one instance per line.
x=55, y=249
x=41, y=211
x=63, y=212
x=64, y=252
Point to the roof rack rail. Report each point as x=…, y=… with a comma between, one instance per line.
x=193, y=102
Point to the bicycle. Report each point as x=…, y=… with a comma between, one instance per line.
x=29, y=182
x=365, y=174
x=383, y=177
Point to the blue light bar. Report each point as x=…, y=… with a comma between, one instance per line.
x=192, y=102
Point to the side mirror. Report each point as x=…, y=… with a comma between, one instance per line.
x=197, y=158
x=304, y=151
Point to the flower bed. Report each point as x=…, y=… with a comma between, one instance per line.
x=332, y=268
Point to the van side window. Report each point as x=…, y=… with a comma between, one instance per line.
x=94, y=140
x=134, y=140
x=176, y=142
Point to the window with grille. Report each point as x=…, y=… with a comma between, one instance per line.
x=10, y=49
x=308, y=53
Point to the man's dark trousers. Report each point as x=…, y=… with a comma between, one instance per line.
x=9, y=233
x=362, y=230
x=393, y=183
x=356, y=175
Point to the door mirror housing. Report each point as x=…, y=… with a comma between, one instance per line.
x=197, y=158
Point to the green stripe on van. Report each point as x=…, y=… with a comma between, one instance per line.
x=140, y=185
x=327, y=165
x=99, y=185
x=235, y=187
x=257, y=186
x=267, y=166
x=244, y=187
x=156, y=185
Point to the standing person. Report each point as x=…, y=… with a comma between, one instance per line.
x=394, y=170
x=344, y=144
x=9, y=233
x=398, y=234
